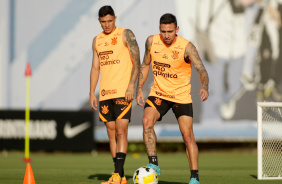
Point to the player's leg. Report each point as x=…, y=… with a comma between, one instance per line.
x=187, y=153
x=121, y=135
x=122, y=114
x=155, y=108
x=151, y=115
x=186, y=128
x=184, y=116
x=106, y=115
x=122, y=143
x=111, y=131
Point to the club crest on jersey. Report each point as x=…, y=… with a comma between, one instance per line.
x=114, y=40
x=105, y=109
x=175, y=55
x=158, y=101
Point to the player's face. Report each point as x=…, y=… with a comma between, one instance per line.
x=108, y=23
x=168, y=33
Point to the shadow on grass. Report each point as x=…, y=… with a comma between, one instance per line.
x=254, y=176
x=169, y=182
x=105, y=177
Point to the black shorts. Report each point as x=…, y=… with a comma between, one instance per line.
x=162, y=106
x=113, y=109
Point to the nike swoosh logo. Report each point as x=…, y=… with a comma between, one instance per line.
x=71, y=132
x=123, y=108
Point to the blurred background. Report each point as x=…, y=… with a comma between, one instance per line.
x=239, y=42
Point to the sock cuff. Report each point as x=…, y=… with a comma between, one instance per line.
x=153, y=160
x=195, y=174
x=120, y=155
x=154, y=156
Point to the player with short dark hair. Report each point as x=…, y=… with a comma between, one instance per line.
x=168, y=19
x=106, y=10
x=116, y=57
x=171, y=57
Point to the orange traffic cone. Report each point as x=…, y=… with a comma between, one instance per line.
x=28, y=178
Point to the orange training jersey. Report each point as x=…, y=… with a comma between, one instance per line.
x=171, y=73
x=115, y=64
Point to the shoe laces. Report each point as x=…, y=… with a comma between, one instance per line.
x=111, y=178
x=116, y=177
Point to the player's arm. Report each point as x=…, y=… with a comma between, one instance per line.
x=144, y=71
x=131, y=43
x=192, y=54
x=94, y=76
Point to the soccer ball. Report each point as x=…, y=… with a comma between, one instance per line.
x=145, y=175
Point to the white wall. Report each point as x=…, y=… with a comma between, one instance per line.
x=4, y=52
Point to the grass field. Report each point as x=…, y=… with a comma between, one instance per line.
x=85, y=168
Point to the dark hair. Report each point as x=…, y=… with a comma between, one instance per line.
x=106, y=10
x=168, y=18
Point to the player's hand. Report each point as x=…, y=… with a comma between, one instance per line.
x=129, y=94
x=93, y=102
x=204, y=94
x=140, y=97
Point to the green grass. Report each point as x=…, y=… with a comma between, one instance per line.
x=84, y=168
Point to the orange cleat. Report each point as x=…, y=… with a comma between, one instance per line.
x=109, y=181
x=116, y=179
x=123, y=180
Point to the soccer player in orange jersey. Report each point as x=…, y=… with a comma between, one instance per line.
x=171, y=57
x=116, y=57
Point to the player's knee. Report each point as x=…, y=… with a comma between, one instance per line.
x=112, y=134
x=188, y=138
x=121, y=136
x=111, y=130
x=147, y=122
x=121, y=132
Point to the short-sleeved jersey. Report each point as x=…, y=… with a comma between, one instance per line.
x=115, y=64
x=172, y=74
